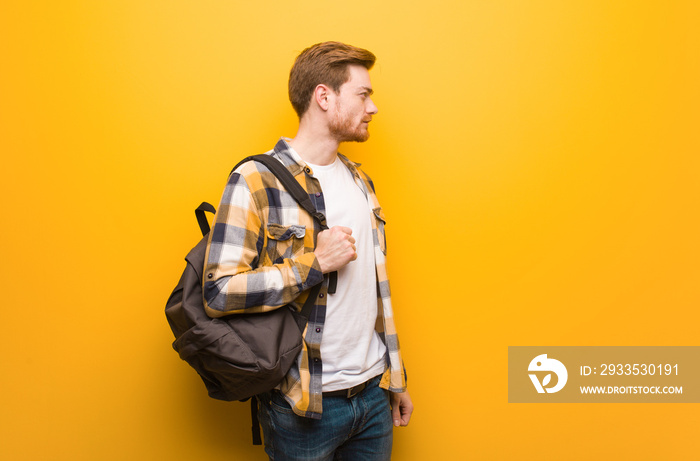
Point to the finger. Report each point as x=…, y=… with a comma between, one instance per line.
x=396, y=415
x=343, y=229
x=405, y=416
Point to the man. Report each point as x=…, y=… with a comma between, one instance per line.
x=348, y=386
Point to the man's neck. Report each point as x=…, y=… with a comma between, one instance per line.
x=314, y=145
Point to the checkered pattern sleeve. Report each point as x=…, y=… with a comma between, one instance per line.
x=240, y=275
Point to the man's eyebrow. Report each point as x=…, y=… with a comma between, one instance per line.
x=367, y=89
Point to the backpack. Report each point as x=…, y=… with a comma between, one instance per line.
x=241, y=355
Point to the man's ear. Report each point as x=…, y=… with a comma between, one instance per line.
x=322, y=95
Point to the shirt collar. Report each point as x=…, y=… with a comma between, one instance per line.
x=295, y=164
x=289, y=157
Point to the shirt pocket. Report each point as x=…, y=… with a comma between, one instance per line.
x=380, y=222
x=284, y=241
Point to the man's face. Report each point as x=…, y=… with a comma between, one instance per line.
x=353, y=108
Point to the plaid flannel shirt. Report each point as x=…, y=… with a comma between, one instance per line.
x=260, y=256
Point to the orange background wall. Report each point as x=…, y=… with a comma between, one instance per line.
x=538, y=162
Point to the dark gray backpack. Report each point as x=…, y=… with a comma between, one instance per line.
x=240, y=355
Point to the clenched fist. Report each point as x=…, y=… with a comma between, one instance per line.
x=335, y=248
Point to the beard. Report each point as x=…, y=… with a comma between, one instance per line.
x=343, y=129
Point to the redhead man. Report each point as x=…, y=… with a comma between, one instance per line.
x=347, y=389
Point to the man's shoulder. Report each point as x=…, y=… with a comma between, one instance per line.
x=256, y=174
x=250, y=167
x=253, y=180
x=253, y=169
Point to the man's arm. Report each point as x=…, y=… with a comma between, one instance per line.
x=233, y=280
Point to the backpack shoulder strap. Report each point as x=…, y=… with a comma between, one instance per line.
x=299, y=194
x=289, y=183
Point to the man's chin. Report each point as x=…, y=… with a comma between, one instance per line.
x=359, y=137
x=356, y=136
x=362, y=138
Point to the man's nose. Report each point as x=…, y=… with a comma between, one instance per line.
x=372, y=108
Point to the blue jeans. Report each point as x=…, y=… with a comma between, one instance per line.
x=357, y=429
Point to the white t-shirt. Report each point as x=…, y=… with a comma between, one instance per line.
x=351, y=350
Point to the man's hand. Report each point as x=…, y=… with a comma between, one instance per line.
x=335, y=248
x=401, y=408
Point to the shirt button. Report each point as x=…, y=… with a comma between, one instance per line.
x=318, y=194
x=307, y=170
x=321, y=295
x=318, y=330
x=316, y=360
